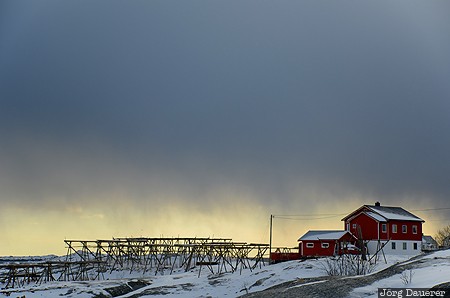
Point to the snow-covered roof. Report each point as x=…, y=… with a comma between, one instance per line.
x=376, y=216
x=428, y=239
x=323, y=235
x=384, y=213
x=394, y=213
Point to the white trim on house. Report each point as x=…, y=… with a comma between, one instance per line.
x=394, y=231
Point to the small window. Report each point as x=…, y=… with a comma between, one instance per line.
x=384, y=228
x=354, y=226
x=404, y=229
x=414, y=229
x=394, y=228
x=415, y=245
x=325, y=245
x=393, y=245
x=405, y=246
x=310, y=245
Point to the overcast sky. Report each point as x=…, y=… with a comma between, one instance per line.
x=290, y=106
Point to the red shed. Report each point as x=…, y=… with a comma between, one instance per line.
x=326, y=243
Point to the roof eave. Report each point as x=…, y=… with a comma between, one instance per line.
x=354, y=212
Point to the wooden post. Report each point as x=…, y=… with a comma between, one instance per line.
x=270, y=239
x=362, y=244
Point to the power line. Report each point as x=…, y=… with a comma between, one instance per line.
x=311, y=215
x=432, y=209
x=309, y=218
x=289, y=216
x=302, y=217
x=443, y=219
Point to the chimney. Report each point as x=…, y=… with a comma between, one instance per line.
x=377, y=204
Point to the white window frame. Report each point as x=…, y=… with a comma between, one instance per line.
x=415, y=246
x=309, y=245
x=414, y=229
x=393, y=246
x=354, y=226
x=394, y=228
x=405, y=246
x=404, y=229
x=325, y=245
x=383, y=228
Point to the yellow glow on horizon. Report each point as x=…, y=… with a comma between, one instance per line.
x=40, y=232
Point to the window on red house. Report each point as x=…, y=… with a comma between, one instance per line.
x=325, y=245
x=414, y=229
x=404, y=229
x=354, y=226
x=394, y=228
x=384, y=228
x=310, y=245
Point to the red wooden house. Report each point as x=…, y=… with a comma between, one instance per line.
x=377, y=224
x=326, y=243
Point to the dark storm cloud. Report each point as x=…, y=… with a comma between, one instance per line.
x=348, y=97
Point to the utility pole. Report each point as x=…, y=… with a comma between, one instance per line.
x=270, y=238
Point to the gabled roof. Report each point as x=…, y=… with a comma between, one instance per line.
x=396, y=213
x=428, y=239
x=385, y=213
x=376, y=216
x=323, y=235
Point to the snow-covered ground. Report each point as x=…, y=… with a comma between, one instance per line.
x=434, y=269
